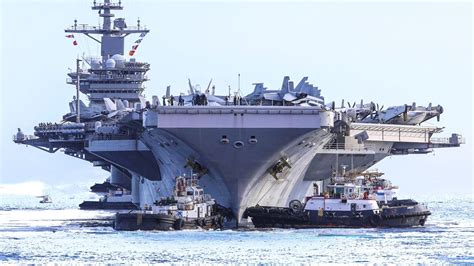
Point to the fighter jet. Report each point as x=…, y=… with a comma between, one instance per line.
x=86, y=113
x=193, y=92
x=304, y=94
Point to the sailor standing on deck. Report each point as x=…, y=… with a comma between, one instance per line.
x=20, y=136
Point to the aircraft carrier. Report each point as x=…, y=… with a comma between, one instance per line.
x=267, y=147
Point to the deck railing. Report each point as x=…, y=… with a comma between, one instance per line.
x=343, y=146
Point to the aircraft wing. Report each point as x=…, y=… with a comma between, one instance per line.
x=272, y=96
x=213, y=104
x=212, y=98
x=187, y=98
x=308, y=98
x=289, y=97
x=393, y=112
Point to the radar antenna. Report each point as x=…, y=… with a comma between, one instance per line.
x=111, y=35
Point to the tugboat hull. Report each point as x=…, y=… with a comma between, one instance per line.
x=163, y=222
x=394, y=216
x=404, y=213
x=271, y=217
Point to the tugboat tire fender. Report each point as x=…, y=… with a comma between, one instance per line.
x=375, y=220
x=178, y=224
x=220, y=221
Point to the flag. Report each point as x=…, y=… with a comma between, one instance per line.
x=71, y=36
x=135, y=45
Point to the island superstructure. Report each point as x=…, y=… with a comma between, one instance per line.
x=267, y=148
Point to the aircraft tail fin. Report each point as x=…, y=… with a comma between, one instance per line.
x=258, y=88
x=120, y=105
x=190, y=86
x=285, y=85
x=291, y=86
x=301, y=84
x=82, y=105
x=142, y=101
x=110, y=105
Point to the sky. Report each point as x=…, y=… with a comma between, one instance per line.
x=386, y=52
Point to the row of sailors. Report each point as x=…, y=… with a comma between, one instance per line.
x=47, y=126
x=51, y=126
x=199, y=99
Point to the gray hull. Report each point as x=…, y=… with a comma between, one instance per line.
x=239, y=177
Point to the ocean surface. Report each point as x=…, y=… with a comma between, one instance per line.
x=59, y=232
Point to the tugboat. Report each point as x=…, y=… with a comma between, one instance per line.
x=187, y=208
x=45, y=199
x=348, y=202
x=112, y=198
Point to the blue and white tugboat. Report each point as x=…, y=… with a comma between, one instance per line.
x=187, y=208
x=364, y=201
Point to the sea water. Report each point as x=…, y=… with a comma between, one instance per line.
x=42, y=233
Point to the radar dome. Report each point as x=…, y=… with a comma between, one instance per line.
x=110, y=63
x=119, y=60
x=95, y=64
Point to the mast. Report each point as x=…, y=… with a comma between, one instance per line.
x=78, y=88
x=110, y=35
x=111, y=75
